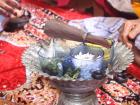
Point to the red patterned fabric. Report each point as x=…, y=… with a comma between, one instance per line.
x=134, y=70
x=12, y=75
x=62, y=12
x=12, y=72
x=62, y=2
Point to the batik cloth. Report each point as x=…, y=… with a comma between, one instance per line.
x=41, y=92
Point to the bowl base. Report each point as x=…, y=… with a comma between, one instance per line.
x=78, y=99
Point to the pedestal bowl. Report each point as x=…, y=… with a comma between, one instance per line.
x=80, y=89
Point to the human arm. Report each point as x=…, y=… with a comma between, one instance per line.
x=9, y=8
x=130, y=31
x=129, y=35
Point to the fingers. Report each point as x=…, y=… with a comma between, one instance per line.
x=130, y=31
x=124, y=36
x=13, y=3
x=2, y=11
x=134, y=32
x=9, y=7
x=126, y=41
x=127, y=28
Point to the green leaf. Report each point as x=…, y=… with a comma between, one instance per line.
x=72, y=74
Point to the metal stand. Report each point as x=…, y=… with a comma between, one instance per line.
x=78, y=99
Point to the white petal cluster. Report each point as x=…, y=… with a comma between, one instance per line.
x=86, y=56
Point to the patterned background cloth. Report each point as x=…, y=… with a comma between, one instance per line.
x=40, y=91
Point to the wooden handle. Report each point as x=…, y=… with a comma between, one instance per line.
x=59, y=29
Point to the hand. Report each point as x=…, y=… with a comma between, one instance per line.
x=130, y=31
x=9, y=7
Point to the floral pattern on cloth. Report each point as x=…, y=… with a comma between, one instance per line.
x=12, y=74
x=18, y=38
x=42, y=92
x=33, y=31
x=13, y=44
